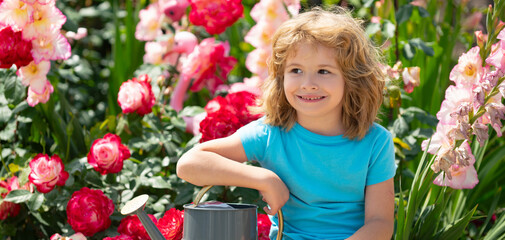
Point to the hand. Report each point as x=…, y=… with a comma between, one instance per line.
x=275, y=193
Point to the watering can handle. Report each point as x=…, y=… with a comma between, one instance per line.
x=204, y=190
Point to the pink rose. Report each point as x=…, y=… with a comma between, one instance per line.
x=136, y=95
x=264, y=225
x=47, y=172
x=89, y=211
x=76, y=236
x=171, y=223
x=215, y=16
x=174, y=9
x=121, y=237
x=107, y=154
x=10, y=209
x=132, y=227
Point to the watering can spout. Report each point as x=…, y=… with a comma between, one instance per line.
x=136, y=206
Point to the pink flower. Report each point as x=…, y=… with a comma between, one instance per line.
x=271, y=11
x=89, y=211
x=35, y=98
x=411, y=76
x=45, y=19
x=81, y=33
x=52, y=46
x=215, y=16
x=454, y=97
x=34, y=75
x=469, y=69
x=256, y=62
x=174, y=9
x=10, y=209
x=260, y=35
x=460, y=176
x=251, y=85
x=15, y=13
x=76, y=236
x=132, y=227
x=184, y=42
x=208, y=64
x=156, y=52
x=497, y=56
x=136, y=95
x=107, y=154
x=293, y=6
x=264, y=225
x=13, y=49
x=47, y=172
x=149, y=26
x=193, y=123
x=171, y=224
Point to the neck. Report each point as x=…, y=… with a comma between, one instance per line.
x=326, y=127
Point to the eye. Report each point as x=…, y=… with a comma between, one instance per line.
x=323, y=71
x=295, y=70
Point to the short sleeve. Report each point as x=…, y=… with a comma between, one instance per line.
x=382, y=165
x=254, y=137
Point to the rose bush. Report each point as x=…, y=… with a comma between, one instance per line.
x=131, y=226
x=47, y=172
x=107, y=154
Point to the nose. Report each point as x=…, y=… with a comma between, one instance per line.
x=309, y=83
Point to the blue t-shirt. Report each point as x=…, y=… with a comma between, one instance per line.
x=326, y=175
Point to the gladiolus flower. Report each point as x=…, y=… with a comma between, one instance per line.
x=45, y=19
x=184, y=42
x=215, y=16
x=173, y=9
x=260, y=35
x=460, y=176
x=89, y=211
x=171, y=223
x=208, y=64
x=271, y=11
x=149, y=26
x=256, y=62
x=47, y=172
x=497, y=56
x=15, y=13
x=34, y=75
x=136, y=95
x=469, y=69
x=107, y=154
x=13, y=49
x=35, y=98
x=411, y=76
x=52, y=46
x=132, y=227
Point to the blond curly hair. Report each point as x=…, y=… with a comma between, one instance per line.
x=356, y=55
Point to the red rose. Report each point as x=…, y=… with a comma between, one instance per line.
x=47, y=172
x=89, y=211
x=171, y=223
x=226, y=115
x=107, y=154
x=13, y=49
x=121, y=237
x=136, y=95
x=215, y=16
x=132, y=226
x=264, y=225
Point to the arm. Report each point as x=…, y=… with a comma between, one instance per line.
x=219, y=162
x=379, y=212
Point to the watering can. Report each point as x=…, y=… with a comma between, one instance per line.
x=202, y=221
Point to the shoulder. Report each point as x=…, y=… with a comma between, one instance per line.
x=257, y=127
x=378, y=132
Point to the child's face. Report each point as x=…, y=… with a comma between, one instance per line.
x=313, y=83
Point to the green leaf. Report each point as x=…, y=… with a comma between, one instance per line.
x=409, y=51
x=14, y=91
x=400, y=126
x=191, y=111
x=372, y=28
x=159, y=183
x=18, y=196
x=388, y=29
x=5, y=114
x=456, y=230
x=36, y=201
x=421, y=45
x=423, y=12
x=403, y=14
x=9, y=131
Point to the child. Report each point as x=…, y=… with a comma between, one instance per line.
x=324, y=160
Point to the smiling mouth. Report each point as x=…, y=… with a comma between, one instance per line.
x=311, y=98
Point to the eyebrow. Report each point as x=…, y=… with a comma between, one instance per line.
x=321, y=66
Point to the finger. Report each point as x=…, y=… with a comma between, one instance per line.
x=268, y=211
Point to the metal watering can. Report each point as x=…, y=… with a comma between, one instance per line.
x=207, y=221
